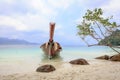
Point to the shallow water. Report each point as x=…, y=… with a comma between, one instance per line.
x=26, y=58
x=32, y=53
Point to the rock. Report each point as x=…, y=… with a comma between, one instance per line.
x=45, y=68
x=79, y=62
x=105, y=57
x=115, y=57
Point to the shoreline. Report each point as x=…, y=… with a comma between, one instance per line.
x=97, y=70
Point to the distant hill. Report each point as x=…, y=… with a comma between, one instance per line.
x=7, y=41
x=113, y=39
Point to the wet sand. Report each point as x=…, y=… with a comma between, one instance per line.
x=97, y=70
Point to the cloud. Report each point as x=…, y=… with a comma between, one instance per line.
x=7, y=1
x=41, y=6
x=27, y=22
x=38, y=18
x=61, y=4
x=11, y=22
x=112, y=6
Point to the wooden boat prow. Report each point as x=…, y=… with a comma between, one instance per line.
x=51, y=48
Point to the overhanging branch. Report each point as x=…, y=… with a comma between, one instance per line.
x=114, y=50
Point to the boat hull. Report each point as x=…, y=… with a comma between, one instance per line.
x=51, y=49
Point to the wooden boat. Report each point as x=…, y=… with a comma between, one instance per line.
x=51, y=48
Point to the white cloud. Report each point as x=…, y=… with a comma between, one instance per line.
x=62, y=4
x=8, y=1
x=112, y=9
x=11, y=22
x=27, y=22
x=112, y=6
x=45, y=12
x=35, y=22
x=41, y=6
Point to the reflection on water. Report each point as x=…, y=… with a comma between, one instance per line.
x=56, y=61
x=56, y=58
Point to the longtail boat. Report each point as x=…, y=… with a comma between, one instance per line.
x=51, y=48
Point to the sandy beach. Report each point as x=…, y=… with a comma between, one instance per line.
x=97, y=70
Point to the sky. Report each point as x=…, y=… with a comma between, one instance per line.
x=29, y=19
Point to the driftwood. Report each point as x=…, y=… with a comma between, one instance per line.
x=51, y=48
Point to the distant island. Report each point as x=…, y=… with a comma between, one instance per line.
x=7, y=41
x=113, y=39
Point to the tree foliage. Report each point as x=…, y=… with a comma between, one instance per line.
x=113, y=39
x=96, y=26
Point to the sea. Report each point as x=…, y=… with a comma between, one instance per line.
x=33, y=53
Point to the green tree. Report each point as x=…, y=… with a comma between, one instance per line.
x=97, y=27
x=114, y=39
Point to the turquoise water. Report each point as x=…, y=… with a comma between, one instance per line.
x=33, y=54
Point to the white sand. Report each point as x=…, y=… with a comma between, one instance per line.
x=97, y=70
